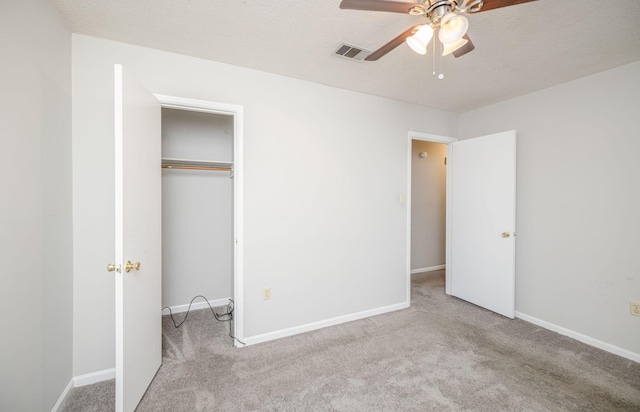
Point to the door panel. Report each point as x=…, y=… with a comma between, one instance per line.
x=138, y=239
x=483, y=207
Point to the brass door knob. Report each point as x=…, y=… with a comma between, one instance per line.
x=130, y=266
x=111, y=267
x=506, y=234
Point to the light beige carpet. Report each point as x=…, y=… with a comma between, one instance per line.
x=442, y=354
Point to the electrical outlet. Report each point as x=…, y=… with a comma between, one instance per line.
x=635, y=308
x=266, y=293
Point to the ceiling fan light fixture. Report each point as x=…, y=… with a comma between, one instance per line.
x=420, y=39
x=449, y=48
x=452, y=28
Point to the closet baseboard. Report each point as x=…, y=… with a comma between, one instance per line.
x=200, y=304
x=428, y=269
x=94, y=377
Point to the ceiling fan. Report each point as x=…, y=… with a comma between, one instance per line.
x=439, y=14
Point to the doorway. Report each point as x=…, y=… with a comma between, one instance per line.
x=427, y=230
x=202, y=205
x=484, y=176
x=428, y=206
x=197, y=209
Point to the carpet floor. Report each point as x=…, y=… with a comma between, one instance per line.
x=441, y=354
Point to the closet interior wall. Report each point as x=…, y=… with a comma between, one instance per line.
x=197, y=208
x=428, y=204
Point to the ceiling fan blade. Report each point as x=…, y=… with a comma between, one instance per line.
x=464, y=49
x=497, y=4
x=379, y=5
x=392, y=44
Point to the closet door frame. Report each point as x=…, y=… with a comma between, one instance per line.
x=194, y=105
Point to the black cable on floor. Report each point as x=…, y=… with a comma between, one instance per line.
x=220, y=317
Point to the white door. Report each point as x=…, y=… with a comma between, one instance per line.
x=483, y=218
x=138, y=239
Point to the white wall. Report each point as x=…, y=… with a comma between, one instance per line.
x=197, y=209
x=35, y=207
x=578, y=198
x=324, y=171
x=428, y=204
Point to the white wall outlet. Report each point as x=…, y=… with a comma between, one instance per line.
x=635, y=308
x=266, y=293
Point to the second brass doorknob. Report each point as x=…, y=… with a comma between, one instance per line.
x=130, y=266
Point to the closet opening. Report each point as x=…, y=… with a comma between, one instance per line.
x=428, y=223
x=428, y=207
x=201, y=209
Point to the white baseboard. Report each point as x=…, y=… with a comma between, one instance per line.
x=428, y=269
x=83, y=380
x=94, y=377
x=582, y=338
x=63, y=396
x=199, y=304
x=322, y=324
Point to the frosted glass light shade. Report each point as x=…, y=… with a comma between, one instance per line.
x=452, y=28
x=419, y=41
x=451, y=47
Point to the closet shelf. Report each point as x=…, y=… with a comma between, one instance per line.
x=192, y=164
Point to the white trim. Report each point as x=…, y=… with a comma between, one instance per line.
x=200, y=304
x=428, y=269
x=323, y=324
x=94, y=377
x=237, y=112
x=427, y=137
x=119, y=230
x=195, y=105
x=84, y=380
x=408, y=228
x=448, y=278
x=63, y=396
x=616, y=350
x=238, y=225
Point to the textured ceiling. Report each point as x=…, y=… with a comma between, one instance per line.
x=519, y=49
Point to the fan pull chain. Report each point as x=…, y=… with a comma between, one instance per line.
x=435, y=52
x=433, y=74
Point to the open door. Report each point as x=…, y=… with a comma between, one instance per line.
x=482, y=222
x=138, y=240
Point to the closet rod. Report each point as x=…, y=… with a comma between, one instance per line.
x=228, y=169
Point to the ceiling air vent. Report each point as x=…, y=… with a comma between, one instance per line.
x=351, y=52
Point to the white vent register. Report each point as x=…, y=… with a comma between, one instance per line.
x=351, y=52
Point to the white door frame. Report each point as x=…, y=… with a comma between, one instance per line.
x=426, y=137
x=180, y=103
